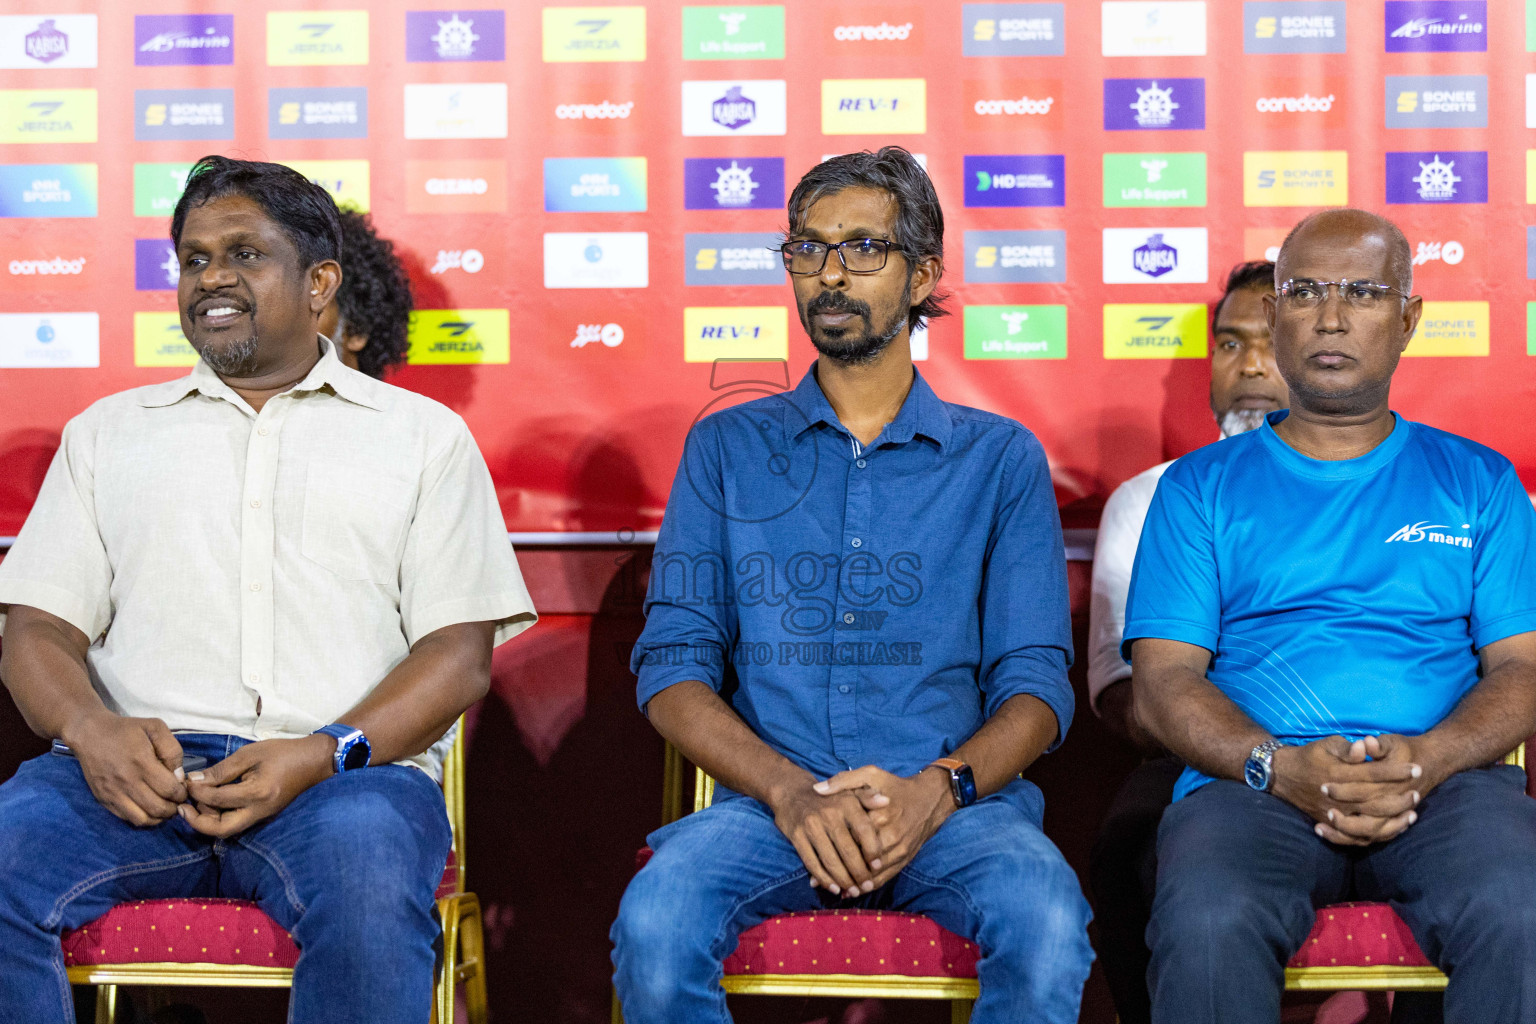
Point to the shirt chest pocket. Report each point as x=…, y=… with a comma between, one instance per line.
x=355, y=520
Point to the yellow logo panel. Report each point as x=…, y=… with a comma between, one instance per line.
x=1530, y=175
x=735, y=332
x=1315, y=178
x=317, y=37
x=1162, y=330
x=158, y=341
x=47, y=115
x=1451, y=329
x=581, y=34
x=874, y=106
x=456, y=336
x=346, y=180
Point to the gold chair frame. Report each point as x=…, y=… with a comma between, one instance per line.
x=463, y=940
x=1386, y=977
x=959, y=992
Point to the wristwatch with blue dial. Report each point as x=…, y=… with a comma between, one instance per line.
x=1259, y=769
x=962, y=784
x=352, y=749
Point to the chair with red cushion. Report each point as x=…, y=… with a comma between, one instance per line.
x=231, y=943
x=849, y=954
x=1366, y=946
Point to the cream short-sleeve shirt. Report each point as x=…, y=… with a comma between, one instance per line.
x=259, y=574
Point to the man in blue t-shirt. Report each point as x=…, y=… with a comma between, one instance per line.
x=1338, y=610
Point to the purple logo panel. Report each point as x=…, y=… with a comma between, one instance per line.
x=1442, y=177
x=161, y=39
x=1154, y=104
x=733, y=183
x=455, y=36
x=1424, y=26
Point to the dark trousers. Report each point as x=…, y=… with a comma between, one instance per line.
x=1122, y=872
x=1241, y=873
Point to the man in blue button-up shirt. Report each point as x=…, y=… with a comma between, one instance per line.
x=858, y=624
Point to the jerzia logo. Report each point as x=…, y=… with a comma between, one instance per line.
x=1427, y=531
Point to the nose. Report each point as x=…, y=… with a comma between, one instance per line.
x=833, y=273
x=1257, y=361
x=1331, y=317
x=217, y=274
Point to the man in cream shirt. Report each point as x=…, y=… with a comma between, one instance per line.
x=279, y=565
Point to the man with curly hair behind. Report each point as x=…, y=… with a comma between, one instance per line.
x=371, y=312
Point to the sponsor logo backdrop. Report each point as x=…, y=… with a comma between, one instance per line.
x=585, y=197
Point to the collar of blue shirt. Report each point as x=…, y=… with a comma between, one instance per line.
x=922, y=414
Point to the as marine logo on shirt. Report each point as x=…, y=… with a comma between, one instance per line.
x=1413, y=533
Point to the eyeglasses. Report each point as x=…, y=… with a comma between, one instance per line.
x=858, y=255
x=1304, y=293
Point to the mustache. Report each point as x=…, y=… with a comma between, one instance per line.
x=836, y=302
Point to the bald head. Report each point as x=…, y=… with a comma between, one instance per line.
x=1336, y=229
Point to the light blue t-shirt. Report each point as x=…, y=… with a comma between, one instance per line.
x=1337, y=598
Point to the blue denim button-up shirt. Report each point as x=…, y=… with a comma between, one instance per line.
x=861, y=604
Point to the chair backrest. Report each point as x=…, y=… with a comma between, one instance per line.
x=453, y=796
x=1516, y=757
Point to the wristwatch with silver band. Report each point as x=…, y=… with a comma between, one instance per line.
x=1259, y=769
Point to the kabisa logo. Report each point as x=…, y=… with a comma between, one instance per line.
x=1154, y=104
x=455, y=36
x=1413, y=533
x=1154, y=257
x=1294, y=26
x=603, y=111
x=458, y=336
x=1015, y=180
x=163, y=39
x=608, y=335
x=614, y=259
x=1165, y=255
x=1437, y=101
x=1154, y=330
x=471, y=261
x=1450, y=253
x=155, y=266
x=46, y=44
x=316, y=112
x=874, y=106
x=581, y=34
x=58, y=266
x=55, y=41
x=1136, y=28
x=165, y=114
x=1437, y=177
x=735, y=332
x=742, y=258
x=1013, y=30
x=754, y=32
x=1422, y=26
x=1296, y=178
x=739, y=107
x=1015, y=332
x=317, y=38
x=736, y=184
x=49, y=339
x=1015, y=257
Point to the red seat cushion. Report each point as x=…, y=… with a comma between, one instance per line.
x=863, y=942
x=182, y=931
x=1359, y=935
x=449, y=884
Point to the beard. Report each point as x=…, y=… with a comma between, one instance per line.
x=1240, y=421
x=852, y=346
x=236, y=359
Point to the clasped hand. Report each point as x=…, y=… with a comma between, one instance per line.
x=855, y=831
x=1358, y=793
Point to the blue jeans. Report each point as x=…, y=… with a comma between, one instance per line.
x=349, y=868
x=988, y=874
x=1240, y=873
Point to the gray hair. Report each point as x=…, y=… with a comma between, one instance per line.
x=1400, y=253
x=919, y=229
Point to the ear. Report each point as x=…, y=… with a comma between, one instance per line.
x=925, y=277
x=1412, y=310
x=353, y=342
x=1269, y=311
x=324, y=279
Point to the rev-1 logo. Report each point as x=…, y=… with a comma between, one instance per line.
x=730, y=331
x=1427, y=531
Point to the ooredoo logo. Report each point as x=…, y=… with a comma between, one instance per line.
x=884, y=30
x=1297, y=102
x=877, y=30
x=594, y=111
x=56, y=266
x=1012, y=104
x=1294, y=104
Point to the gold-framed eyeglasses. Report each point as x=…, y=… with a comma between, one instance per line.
x=1360, y=294
x=858, y=255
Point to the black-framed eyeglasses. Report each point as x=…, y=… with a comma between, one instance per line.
x=1360, y=294
x=858, y=255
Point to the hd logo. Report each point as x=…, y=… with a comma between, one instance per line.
x=1437, y=101
x=1015, y=180
x=459, y=336
x=735, y=332
x=1015, y=257
x=1154, y=331
x=47, y=115
x=1293, y=26
x=874, y=106
x=583, y=34
x=316, y=38
x=166, y=114
x=337, y=112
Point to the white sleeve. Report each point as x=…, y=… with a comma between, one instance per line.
x=1113, y=557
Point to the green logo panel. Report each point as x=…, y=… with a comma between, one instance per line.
x=1015, y=332
x=1530, y=328
x=156, y=187
x=1154, y=179
x=733, y=33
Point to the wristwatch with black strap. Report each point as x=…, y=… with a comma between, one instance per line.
x=962, y=784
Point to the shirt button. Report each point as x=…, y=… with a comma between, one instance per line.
x=256, y=503
x=262, y=431
x=856, y=542
x=861, y=463
x=848, y=617
x=255, y=678
x=255, y=586
x=843, y=689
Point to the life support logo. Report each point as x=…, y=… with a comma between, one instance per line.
x=1015, y=332
x=754, y=32
x=1432, y=533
